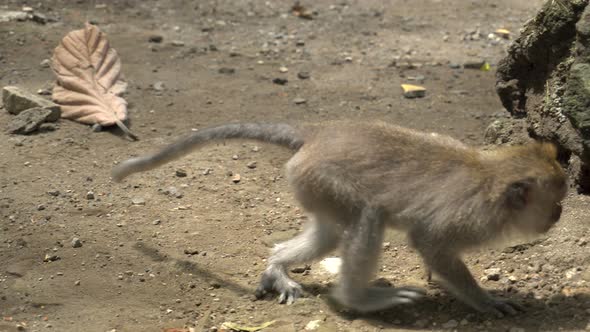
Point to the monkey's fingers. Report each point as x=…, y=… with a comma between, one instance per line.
x=505, y=307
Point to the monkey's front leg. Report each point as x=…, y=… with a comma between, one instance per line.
x=460, y=282
x=361, y=247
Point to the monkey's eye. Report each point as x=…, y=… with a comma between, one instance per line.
x=517, y=194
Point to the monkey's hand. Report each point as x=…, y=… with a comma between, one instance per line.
x=500, y=307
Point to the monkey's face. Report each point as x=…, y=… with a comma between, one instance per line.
x=536, y=203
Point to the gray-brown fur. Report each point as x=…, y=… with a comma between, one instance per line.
x=355, y=179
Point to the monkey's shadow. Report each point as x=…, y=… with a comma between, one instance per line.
x=558, y=313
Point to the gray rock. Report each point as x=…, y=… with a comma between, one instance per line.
x=9, y=15
x=96, y=128
x=138, y=201
x=30, y=120
x=48, y=127
x=492, y=274
x=303, y=75
x=450, y=324
x=155, y=38
x=299, y=101
x=76, y=243
x=17, y=100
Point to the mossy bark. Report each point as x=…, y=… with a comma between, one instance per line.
x=544, y=82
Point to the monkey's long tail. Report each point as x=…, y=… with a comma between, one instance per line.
x=277, y=133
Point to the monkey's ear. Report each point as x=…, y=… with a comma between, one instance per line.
x=518, y=193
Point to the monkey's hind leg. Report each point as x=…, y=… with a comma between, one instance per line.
x=317, y=240
x=361, y=247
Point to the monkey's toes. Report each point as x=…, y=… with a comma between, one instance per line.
x=503, y=308
x=288, y=296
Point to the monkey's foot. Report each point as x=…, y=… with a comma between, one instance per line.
x=378, y=298
x=501, y=307
x=275, y=280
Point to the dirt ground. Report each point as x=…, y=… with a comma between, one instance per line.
x=191, y=255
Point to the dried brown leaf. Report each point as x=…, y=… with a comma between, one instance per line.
x=89, y=80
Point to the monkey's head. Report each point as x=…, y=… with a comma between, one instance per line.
x=532, y=187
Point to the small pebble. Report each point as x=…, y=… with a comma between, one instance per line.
x=226, y=70
x=450, y=324
x=280, y=81
x=177, y=43
x=138, y=201
x=90, y=195
x=96, y=128
x=283, y=69
x=303, y=75
x=76, y=243
x=45, y=63
x=181, y=173
x=299, y=101
x=236, y=178
x=492, y=274
x=155, y=39
x=251, y=165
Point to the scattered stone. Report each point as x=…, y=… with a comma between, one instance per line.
x=235, y=157
x=413, y=91
x=156, y=222
x=30, y=120
x=77, y=283
x=280, y=81
x=44, y=92
x=45, y=127
x=90, y=195
x=159, y=86
x=303, y=75
x=181, y=173
x=450, y=324
x=172, y=191
x=177, y=43
x=45, y=63
x=255, y=148
x=492, y=274
x=454, y=65
x=50, y=258
x=8, y=16
x=251, y=165
x=138, y=201
x=301, y=269
x=17, y=100
x=283, y=69
x=313, y=325
x=300, y=43
x=76, y=243
x=236, y=178
x=53, y=193
x=207, y=171
x=191, y=252
x=155, y=39
x=96, y=128
x=331, y=265
x=299, y=101
x=226, y=70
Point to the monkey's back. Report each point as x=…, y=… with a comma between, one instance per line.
x=406, y=171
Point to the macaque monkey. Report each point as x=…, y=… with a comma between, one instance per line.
x=355, y=179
